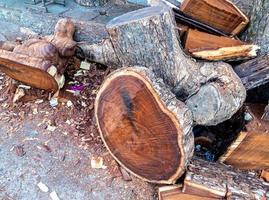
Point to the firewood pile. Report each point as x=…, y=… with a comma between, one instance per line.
x=182, y=83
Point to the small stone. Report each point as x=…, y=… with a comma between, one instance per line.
x=248, y=117
x=43, y=187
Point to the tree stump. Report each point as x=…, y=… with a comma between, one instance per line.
x=145, y=128
x=148, y=37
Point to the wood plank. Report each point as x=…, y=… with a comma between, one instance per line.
x=221, y=14
x=250, y=149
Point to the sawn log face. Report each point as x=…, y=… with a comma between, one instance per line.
x=144, y=126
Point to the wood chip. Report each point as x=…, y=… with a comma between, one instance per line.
x=98, y=163
x=43, y=187
x=54, y=196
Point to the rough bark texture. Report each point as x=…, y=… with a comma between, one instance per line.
x=258, y=31
x=255, y=72
x=148, y=37
x=220, y=181
x=145, y=145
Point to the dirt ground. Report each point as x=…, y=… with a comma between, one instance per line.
x=32, y=151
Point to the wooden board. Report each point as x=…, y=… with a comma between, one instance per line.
x=211, y=47
x=250, y=150
x=220, y=14
x=140, y=127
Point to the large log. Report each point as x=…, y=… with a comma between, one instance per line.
x=255, y=72
x=145, y=128
x=148, y=37
x=258, y=31
x=215, y=180
x=250, y=149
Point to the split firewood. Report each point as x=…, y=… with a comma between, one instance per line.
x=145, y=128
x=258, y=31
x=221, y=14
x=255, y=72
x=174, y=192
x=215, y=180
x=148, y=37
x=212, y=47
x=250, y=149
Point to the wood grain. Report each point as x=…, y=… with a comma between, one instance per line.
x=140, y=131
x=220, y=14
x=28, y=75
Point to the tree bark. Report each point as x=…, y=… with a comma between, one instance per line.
x=145, y=128
x=258, y=31
x=148, y=37
x=254, y=73
x=219, y=181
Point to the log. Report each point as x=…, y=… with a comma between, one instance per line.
x=215, y=180
x=254, y=73
x=211, y=47
x=258, y=31
x=7, y=45
x=30, y=75
x=250, y=149
x=148, y=37
x=144, y=127
x=220, y=14
x=46, y=57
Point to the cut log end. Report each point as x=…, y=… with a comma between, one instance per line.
x=28, y=75
x=141, y=133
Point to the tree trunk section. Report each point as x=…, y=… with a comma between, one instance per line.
x=144, y=126
x=215, y=180
x=148, y=37
x=258, y=31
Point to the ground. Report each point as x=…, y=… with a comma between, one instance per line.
x=55, y=145
x=32, y=152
